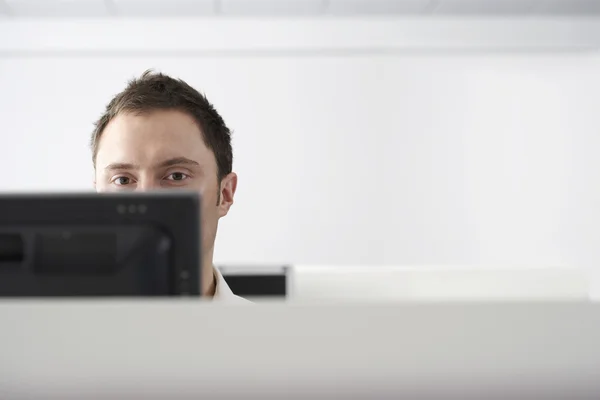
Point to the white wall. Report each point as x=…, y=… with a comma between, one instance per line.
x=352, y=158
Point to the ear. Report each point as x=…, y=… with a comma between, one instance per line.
x=227, y=192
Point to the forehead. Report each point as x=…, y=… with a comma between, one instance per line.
x=148, y=138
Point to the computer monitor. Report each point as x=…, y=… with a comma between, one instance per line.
x=256, y=282
x=119, y=244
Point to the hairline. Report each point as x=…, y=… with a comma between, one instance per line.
x=141, y=111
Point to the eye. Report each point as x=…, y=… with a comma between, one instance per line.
x=177, y=176
x=122, y=180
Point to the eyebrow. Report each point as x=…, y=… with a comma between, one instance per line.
x=120, y=166
x=167, y=163
x=178, y=161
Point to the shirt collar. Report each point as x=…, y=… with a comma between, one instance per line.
x=222, y=290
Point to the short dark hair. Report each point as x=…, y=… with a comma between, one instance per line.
x=156, y=91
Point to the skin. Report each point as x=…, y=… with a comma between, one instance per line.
x=165, y=150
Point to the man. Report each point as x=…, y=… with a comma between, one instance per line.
x=160, y=133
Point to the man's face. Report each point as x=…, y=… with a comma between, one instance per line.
x=164, y=150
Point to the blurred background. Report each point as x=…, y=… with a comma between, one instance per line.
x=390, y=136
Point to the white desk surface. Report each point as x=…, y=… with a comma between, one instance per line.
x=183, y=349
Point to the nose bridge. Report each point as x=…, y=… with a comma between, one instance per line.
x=147, y=181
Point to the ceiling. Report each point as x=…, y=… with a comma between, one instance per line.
x=272, y=8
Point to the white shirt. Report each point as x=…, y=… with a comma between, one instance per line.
x=223, y=293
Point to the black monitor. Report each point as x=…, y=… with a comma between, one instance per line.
x=120, y=244
x=254, y=281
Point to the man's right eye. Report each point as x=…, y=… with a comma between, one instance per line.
x=122, y=180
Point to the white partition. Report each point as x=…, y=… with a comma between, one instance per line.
x=407, y=283
x=182, y=350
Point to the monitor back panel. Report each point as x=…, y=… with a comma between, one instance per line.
x=99, y=245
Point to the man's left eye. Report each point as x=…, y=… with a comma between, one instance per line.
x=177, y=176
